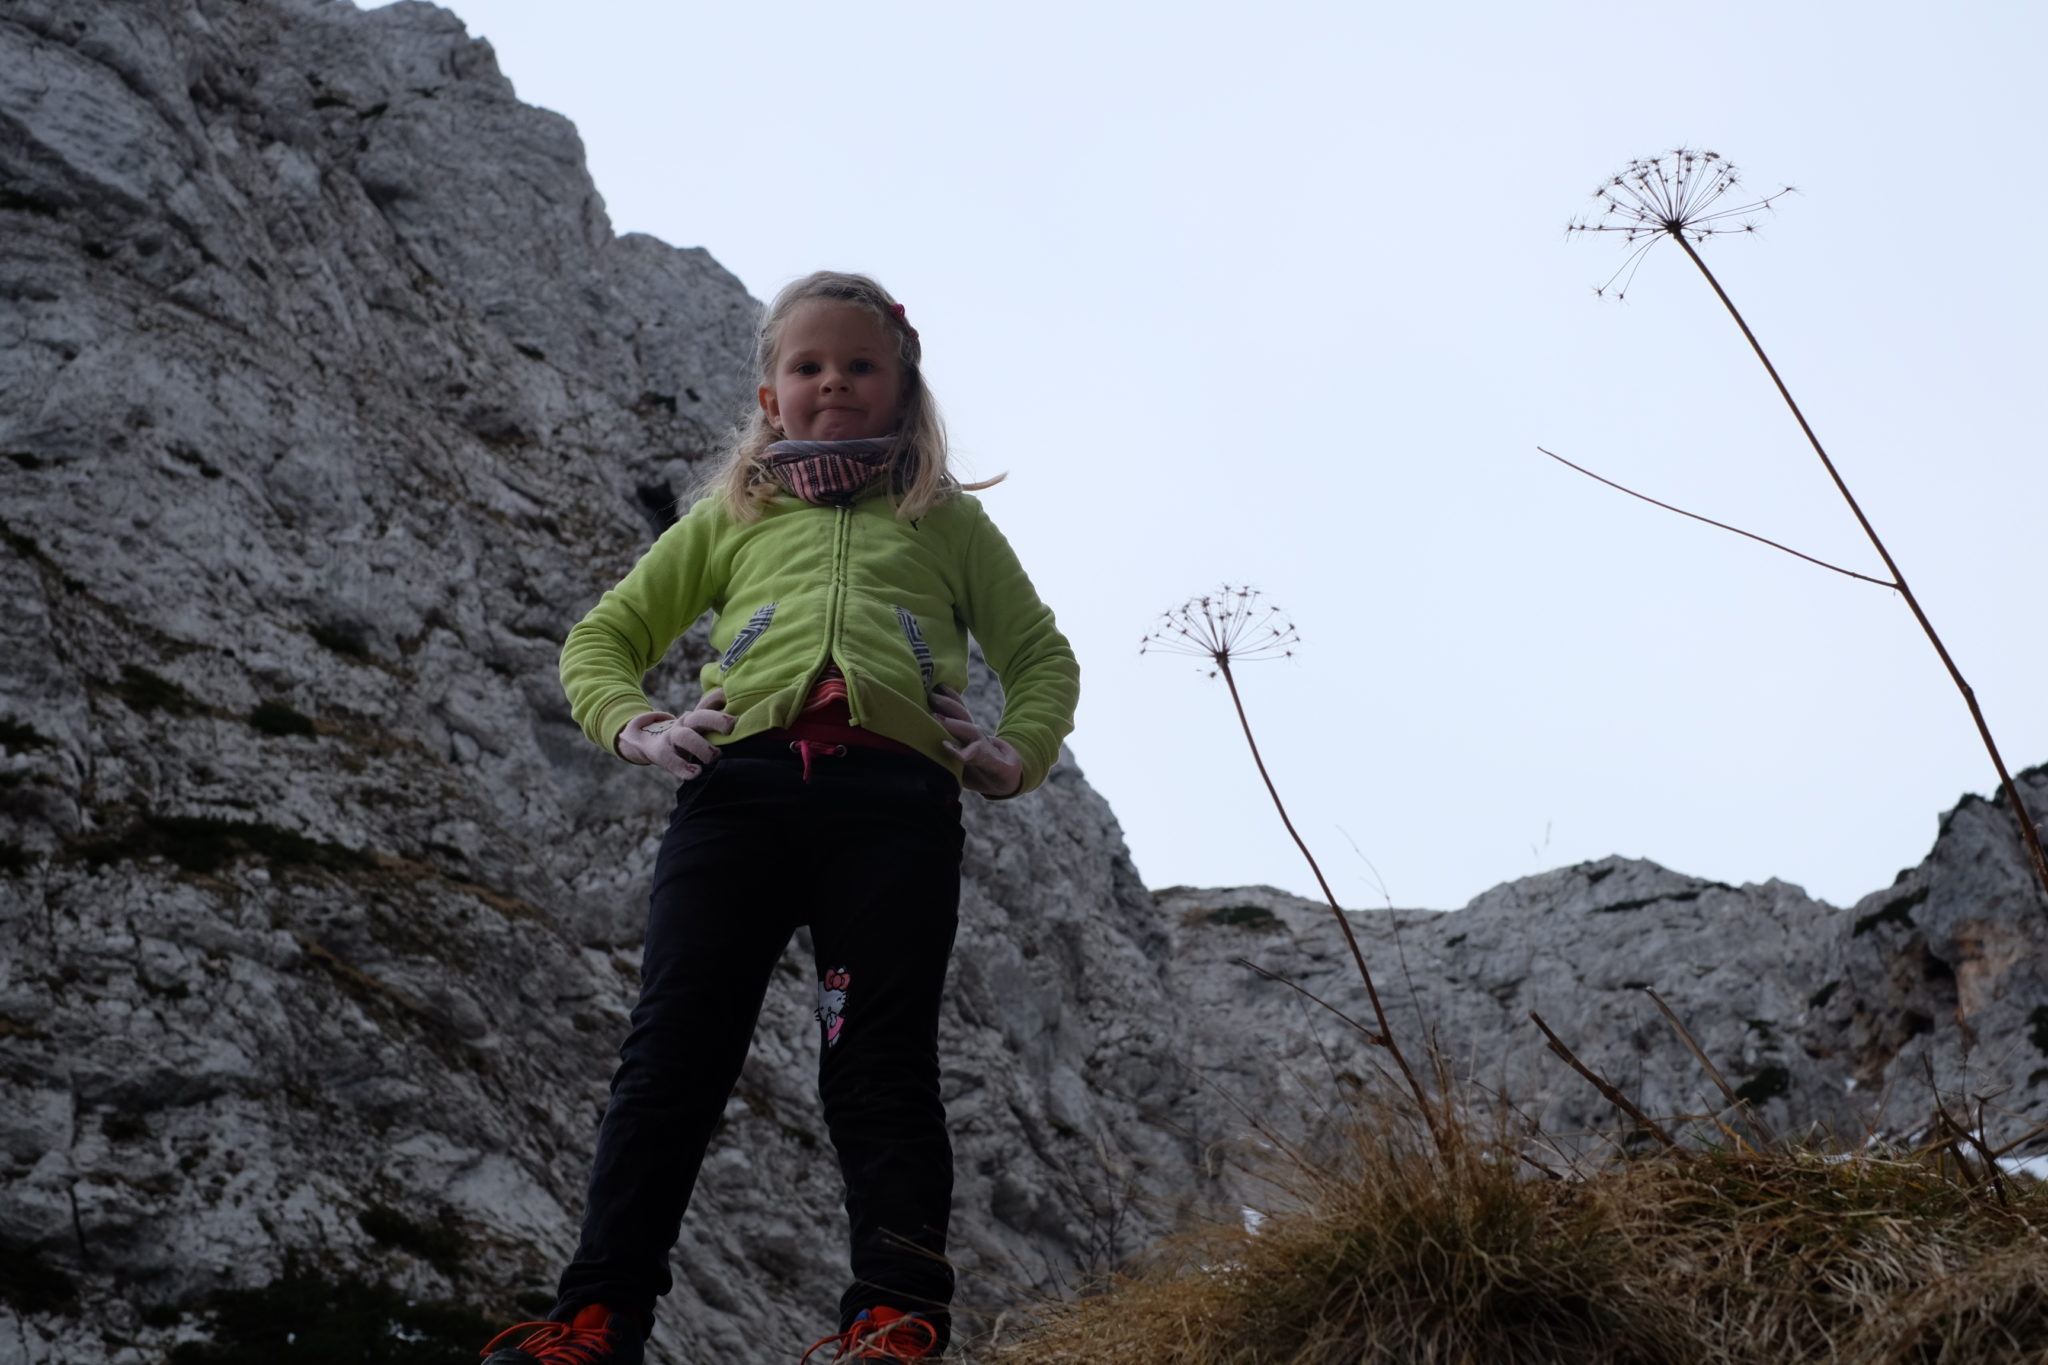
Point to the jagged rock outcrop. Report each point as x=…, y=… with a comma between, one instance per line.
x=1826, y=1020
x=328, y=400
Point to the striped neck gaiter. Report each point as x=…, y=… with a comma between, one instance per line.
x=828, y=472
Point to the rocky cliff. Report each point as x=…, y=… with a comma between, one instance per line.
x=1827, y=1021
x=328, y=400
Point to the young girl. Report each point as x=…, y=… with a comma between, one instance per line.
x=821, y=778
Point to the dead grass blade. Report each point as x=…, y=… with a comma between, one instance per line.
x=1607, y=1091
x=1742, y=1107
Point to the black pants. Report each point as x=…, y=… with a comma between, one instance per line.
x=867, y=853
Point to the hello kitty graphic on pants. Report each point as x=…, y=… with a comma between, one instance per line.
x=831, y=1009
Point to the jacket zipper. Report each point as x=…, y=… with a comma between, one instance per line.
x=838, y=613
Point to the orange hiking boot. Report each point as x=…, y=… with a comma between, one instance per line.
x=595, y=1336
x=881, y=1334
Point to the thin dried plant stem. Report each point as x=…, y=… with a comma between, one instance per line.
x=2022, y=1139
x=2012, y=792
x=1379, y=1014
x=1756, y=1120
x=1295, y=1157
x=1607, y=1090
x=1960, y=1133
x=1376, y=1039
x=1880, y=582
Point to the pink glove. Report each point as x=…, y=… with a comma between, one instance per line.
x=990, y=766
x=677, y=744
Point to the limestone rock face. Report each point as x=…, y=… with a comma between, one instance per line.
x=1823, y=1020
x=328, y=401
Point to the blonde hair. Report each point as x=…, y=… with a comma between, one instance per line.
x=919, y=477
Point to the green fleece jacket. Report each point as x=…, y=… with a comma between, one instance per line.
x=890, y=601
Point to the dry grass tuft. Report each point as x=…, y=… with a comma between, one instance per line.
x=1698, y=1258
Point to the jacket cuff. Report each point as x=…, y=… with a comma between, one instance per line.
x=1033, y=773
x=613, y=718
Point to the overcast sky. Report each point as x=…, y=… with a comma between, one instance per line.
x=1280, y=294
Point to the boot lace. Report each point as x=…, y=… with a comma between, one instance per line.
x=559, y=1343
x=905, y=1337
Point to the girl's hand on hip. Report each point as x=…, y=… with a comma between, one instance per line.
x=676, y=744
x=989, y=765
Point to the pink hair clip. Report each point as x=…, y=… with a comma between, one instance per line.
x=896, y=311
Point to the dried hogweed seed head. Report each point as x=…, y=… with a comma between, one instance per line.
x=1230, y=625
x=1678, y=194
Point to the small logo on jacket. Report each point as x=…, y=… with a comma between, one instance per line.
x=756, y=626
x=913, y=633
x=832, y=1002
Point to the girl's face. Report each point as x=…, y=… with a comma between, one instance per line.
x=838, y=375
